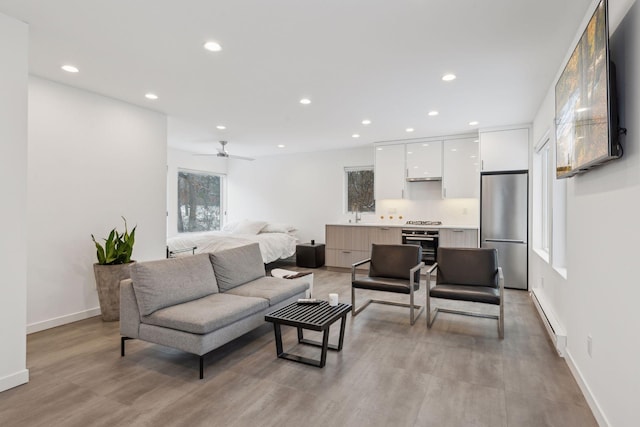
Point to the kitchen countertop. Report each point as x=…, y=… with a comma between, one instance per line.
x=396, y=225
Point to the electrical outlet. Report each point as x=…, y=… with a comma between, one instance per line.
x=589, y=345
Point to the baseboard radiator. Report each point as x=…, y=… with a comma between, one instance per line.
x=556, y=332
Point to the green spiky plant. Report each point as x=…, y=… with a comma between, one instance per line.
x=117, y=248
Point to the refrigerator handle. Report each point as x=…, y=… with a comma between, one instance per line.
x=505, y=241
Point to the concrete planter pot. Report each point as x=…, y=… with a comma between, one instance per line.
x=108, y=279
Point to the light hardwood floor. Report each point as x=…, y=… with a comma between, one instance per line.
x=388, y=374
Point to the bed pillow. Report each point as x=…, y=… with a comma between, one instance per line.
x=237, y=266
x=278, y=227
x=249, y=227
x=167, y=282
x=228, y=228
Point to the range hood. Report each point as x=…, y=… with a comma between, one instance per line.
x=424, y=179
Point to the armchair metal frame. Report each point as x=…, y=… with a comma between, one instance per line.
x=412, y=307
x=499, y=318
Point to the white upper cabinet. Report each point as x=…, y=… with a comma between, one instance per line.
x=461, y=168
x=424, y=161
x=389, y=179
x=505, y=150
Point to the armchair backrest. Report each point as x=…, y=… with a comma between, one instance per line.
x=468, y=266
x=394, y=261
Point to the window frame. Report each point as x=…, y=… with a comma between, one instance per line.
x=542, y=157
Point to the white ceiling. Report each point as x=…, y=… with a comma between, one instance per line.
x=355, y=59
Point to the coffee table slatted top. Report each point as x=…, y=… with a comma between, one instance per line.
x=316, y=317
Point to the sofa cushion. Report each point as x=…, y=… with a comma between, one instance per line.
x=159, y=284
x=237, y=266
x=274, y=289
x=206, y=314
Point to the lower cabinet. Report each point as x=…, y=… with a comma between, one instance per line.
x=385, y=235
x=344, y=258
x=348, y=244
x=458, y=238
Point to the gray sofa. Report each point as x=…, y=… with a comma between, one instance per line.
x=198, y=303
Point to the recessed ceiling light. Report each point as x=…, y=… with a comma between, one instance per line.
x=151, y=96
x=366, y=122
x=213, y=46
x=305, y=101
x=409, y=152
x=425, y=145
x=454, y=149
x=473, y=157
x=409, y=129
x=221, y=127
x=379, y=148
x=355, y=135
x=70, y=68
x=473, y=123
x=448, y=77
x=281, y=145
x=433, y=113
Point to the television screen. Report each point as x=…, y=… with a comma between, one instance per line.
x=586, y=128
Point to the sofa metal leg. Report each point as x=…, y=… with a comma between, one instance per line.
x=122, y=340
x=201, y=367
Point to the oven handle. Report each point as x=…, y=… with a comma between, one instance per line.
x=421, y=239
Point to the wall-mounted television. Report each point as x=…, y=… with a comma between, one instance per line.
x=586, y=112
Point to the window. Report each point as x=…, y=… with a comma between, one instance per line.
x=359, y=189
x=199, y=201
x=559, y=226
x=541, y=198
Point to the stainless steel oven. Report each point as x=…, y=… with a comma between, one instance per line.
x=425, y=238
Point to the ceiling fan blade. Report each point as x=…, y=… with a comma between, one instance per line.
x=240, y=157
x=222, y=152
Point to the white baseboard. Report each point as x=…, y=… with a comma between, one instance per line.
x=551, y=323
x=586, y=391
x=62, y=320
x=14, y=380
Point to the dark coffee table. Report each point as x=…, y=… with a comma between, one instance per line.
x=314, y=317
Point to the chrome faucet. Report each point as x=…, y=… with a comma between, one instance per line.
x=357, y=215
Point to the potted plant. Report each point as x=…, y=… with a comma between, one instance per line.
x=114, y=263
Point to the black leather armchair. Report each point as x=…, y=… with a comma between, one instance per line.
x=467, y=274
x=393, y=268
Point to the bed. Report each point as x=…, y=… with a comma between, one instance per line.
x=276, y=241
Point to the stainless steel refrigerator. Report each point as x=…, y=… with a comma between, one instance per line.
x=504, y=223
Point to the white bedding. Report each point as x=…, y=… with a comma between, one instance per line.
x=273, y=246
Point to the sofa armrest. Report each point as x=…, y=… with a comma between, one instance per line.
x=129, y=312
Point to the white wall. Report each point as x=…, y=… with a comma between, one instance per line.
x=182, y=160
x=600, y=295
x=307, y=190
x=13, y=192
x=92, y=160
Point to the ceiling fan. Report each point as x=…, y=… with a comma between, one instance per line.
x=222, y=152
